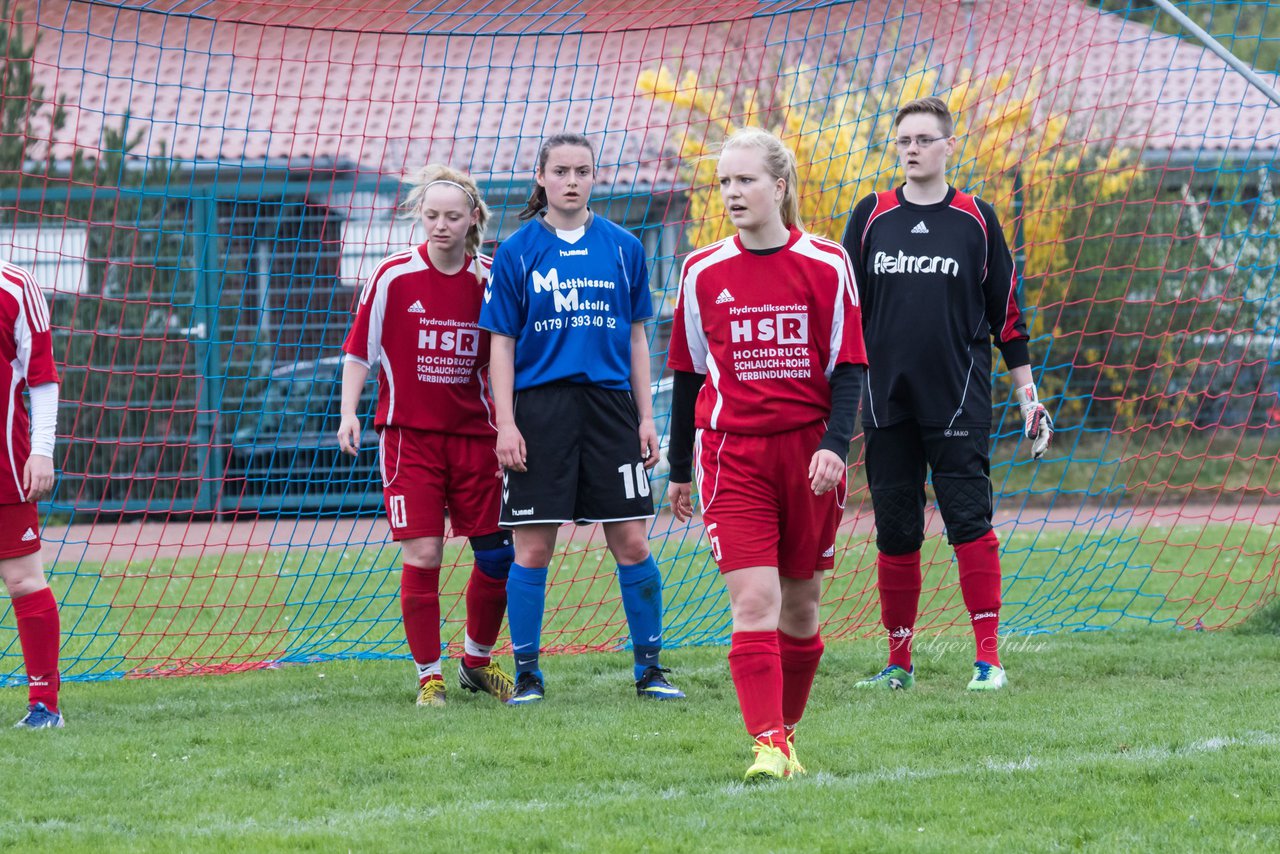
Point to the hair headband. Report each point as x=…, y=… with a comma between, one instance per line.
x=464, y=190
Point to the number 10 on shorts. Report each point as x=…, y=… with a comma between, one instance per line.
x=396, y=510
x=636, y=481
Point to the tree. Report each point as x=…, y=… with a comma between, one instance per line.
x=28, y=120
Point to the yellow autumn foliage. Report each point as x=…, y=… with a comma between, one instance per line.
x=841, y=140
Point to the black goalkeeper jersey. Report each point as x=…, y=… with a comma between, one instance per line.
x=937, y=284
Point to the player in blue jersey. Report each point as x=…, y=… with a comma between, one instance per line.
x=567, y=301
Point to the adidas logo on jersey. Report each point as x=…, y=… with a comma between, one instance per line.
x=417, y=308
x=28, y=536
x=920, y=228
x=724, y=297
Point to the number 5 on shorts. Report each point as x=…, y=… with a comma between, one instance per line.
x=715, y=541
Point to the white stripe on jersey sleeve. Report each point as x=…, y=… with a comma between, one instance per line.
x=24, y=288
x=35, y=306
x=375, y=296
x=833, y=255
x=22, y=335
x=695, y=335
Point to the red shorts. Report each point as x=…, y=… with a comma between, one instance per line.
x=424, y=472
x=757, y=505
x=19, y=530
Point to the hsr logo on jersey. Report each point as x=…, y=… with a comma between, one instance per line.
x=417, y=308
x=904, y=263
x=788, y=327
x=463, y=342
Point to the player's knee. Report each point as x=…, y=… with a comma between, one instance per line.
x=899, y=520
x=629, y=543
x=755, y=608
x=799, y=616
x=423, y=551
x=494, y=553
x=965, y=505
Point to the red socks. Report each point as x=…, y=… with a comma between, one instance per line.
x=756, y=666
x=980, y=585
x=39, y=633
x=898, y=578
x=486, y=603
x=420, y=604
x=800, y=657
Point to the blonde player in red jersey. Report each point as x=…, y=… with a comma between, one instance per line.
x=417, y=318
x=26, y=362
x=768, y=357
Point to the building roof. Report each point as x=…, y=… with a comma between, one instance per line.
x=390, y=84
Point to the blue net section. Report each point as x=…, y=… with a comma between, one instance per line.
x=202, y=188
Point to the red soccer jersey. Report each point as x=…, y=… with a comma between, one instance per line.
x=26, y=359
x=421, y=326
x=767, y=330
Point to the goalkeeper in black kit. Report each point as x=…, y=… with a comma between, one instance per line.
x=937, y=284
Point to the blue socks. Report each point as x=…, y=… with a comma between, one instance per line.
x=526, y=599
x=642, y=600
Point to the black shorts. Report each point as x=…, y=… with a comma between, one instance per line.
x=900, y=457
x=583, y=458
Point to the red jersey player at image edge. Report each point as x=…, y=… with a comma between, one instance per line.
x=27, y=359
x=417, y=319
x=938, y=287
x=767, y=352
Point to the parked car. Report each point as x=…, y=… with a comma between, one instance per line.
x=284, y=452
x=285, y=457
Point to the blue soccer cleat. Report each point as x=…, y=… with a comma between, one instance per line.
x=529, y=690
x=39, y=717
x=654, y=685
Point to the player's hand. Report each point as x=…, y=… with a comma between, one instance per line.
x=349, y=435
x=37, y=477
x=650, y=451
x=680, y=498
x=1036, y=423
x=825, y=470
x=511, y=450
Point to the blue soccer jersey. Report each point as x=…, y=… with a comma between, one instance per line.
x=569, y=303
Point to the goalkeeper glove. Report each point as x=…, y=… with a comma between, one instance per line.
x=1037, y=425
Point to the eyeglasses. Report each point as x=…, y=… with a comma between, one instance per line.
x=920, y=141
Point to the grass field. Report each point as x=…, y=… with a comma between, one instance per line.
x=1141, y=737
x=1126, y=740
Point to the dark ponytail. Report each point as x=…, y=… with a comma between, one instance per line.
x=538, y=198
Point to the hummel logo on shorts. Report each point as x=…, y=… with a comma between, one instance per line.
x=724, y=297
x=417, y=308
x=28, y=536
x=920, y=228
